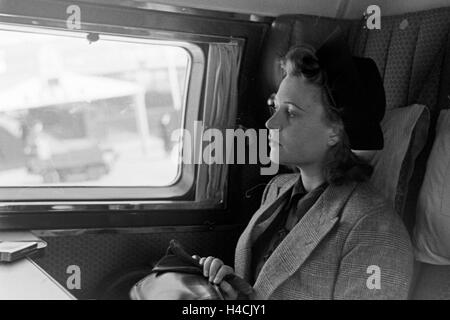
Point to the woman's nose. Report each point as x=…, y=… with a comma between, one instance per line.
x=273, y=122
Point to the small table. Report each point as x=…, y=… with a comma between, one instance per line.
x=25, y=280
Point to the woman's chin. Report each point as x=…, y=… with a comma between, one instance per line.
x=275, y=156
x=283, y=160
x=279, y=157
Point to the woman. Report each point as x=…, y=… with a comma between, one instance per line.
x=323, y=233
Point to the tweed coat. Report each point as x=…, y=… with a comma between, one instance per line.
x=349, y=245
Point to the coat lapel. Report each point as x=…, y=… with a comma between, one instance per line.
x=302, y=240
x=259, y=222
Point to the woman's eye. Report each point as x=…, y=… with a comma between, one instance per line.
x=290, y=113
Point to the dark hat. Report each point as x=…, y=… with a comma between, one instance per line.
x=356, y=88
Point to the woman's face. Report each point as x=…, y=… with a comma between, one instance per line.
x=304, y=137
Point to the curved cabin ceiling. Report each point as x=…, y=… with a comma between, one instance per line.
x=263, y=7
x=329, y=8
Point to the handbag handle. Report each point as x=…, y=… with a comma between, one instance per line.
x=235, y=281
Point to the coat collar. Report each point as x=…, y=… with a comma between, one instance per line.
x=298, y=244
x=258, y=223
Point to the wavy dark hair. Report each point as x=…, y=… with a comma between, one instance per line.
x=341, y=165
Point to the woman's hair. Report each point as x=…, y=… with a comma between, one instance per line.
x=341, y=165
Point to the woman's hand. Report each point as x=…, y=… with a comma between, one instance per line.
x=215, y=270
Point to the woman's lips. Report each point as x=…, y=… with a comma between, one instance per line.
x=273, y=143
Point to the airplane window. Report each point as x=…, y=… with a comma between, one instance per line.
x=80, y=113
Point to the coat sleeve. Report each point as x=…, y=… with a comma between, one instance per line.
x=377, y=259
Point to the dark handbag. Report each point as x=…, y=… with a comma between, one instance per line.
x=178, y=276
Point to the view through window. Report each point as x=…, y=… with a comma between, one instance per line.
x=89, y=114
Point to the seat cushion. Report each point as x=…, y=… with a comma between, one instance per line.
x=433, y=282
x=405, y=133
x=432, y=231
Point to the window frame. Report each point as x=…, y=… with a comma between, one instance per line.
x=181, y=184
x=182, y=195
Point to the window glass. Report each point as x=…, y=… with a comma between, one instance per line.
x=89, y=114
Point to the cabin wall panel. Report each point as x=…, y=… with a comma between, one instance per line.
x=103, y=257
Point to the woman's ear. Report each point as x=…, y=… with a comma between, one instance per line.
x=334, y=136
